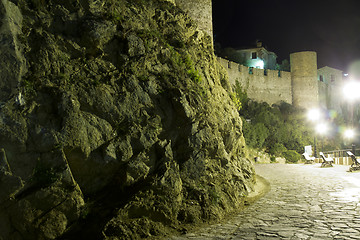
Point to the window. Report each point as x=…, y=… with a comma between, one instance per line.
x=332, y=77
x=253, y=55
x=321, y=78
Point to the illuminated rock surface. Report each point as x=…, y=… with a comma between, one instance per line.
x=121, y=127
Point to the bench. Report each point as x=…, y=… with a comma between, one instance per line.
x=327, y=161
x=308, y=159
x=355, y=166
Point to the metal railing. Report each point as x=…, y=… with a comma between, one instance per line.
x=340, y=156
x=341, y=153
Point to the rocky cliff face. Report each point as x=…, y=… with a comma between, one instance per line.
x=114, y=123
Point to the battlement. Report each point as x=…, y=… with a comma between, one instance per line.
x=262, y=85
x=252, y=71
x=299, y=87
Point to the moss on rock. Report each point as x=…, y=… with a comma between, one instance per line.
x=123, y=105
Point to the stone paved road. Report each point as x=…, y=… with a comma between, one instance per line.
x=305, y=202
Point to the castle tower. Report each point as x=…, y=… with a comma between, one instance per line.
x=200, y=11
x=305, y=92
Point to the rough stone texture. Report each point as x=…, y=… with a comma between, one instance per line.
x=200, y=11
x=122, y=127
x=304, y=79
x=12, y=64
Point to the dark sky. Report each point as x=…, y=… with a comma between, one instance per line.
x=331, y=28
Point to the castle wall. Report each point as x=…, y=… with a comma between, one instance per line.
x=305, y=88
x=200, y=11
x=271, y=88
x=324, y=97
x=331, y=84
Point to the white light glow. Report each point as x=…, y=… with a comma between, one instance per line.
x=349, y=133
x=313, y=114
x=321, y=128
x=351, y=90
x=259, y=64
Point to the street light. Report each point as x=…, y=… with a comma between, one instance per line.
x=349, y=133
x=314, y=115
x=351, y=91
x=321, y=129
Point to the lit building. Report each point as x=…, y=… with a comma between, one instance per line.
x=330, y=84
x=258, y=57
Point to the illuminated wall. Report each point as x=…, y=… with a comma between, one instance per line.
x=257, y=57
x=200, y=11
x=269, y=86
x=301, y=87
x=330, y=82
x=304, y=79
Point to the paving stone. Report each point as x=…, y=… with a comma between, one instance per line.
x=320, y=236
x=303, y=203
x=286, y=234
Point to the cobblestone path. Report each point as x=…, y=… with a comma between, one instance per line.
x=305, y=202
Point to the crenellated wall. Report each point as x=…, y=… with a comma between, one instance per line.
x=298, y=87
x=269, y=86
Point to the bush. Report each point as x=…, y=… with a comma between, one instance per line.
x=291, y=156
x=277, y=149
x=255, y=135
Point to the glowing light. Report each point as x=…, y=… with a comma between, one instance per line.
x=259, y=64
x=351, y=90
x=349, y=133
x=321, y=128
x=314, y=114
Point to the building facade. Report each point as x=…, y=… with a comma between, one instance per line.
x=330, y=88
x=258, y=57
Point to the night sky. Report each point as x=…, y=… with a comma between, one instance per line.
x=331, y=28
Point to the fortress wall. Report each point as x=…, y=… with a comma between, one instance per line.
x=323, y=90
x=330, y=96
x=268, y=88
x=200, y=11
x=332, y=86
x=304, y=79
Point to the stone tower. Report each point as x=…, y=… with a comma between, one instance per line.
x=305, y=92
x=200, y=11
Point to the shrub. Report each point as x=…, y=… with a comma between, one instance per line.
x=277, y=149
x=255, y=135
x=291, y=156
